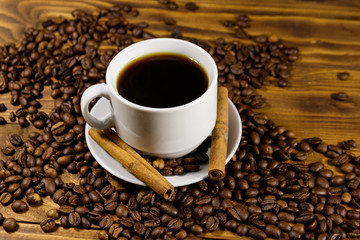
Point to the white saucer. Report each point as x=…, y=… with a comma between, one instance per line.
x=102, y=107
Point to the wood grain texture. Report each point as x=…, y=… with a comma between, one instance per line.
x=327, y=34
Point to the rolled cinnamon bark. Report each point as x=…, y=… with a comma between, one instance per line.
x=219, y=137
x=116, y=139
x=157, y=182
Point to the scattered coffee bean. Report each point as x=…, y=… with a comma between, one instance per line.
x=15, y=140
x=19, y=206
x=340, y=96
x=10, y=225
x=48, y=225
x=192, y=6
x=343, y=75
x=2, y=107
x=53, y=214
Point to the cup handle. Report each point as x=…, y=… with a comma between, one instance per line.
x=97, y=90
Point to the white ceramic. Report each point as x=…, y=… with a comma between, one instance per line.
x=116, y=169
x=163, y=132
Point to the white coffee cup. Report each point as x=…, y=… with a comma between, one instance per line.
x=163, y=132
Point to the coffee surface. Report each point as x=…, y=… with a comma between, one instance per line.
x=162, y=80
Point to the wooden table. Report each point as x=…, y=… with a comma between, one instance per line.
x=326, y=32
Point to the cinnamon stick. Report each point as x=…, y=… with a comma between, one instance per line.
x=155, y=181
x=219, y=137
x=116, y=139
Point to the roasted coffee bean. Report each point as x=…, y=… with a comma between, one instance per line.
x=341, y=159
x=19, y=206
x=284, y=226
x=294, y=235
x=48, y=225
x=2, y=218
x=192, y=6
x=139, y=228
x=106, y=222
x=53, y=213
x=50, y=186
x=94, y=216
x=5, y=198
x=95, y=197
x=343, y=75
x=157, y=232
x=33, y=199
x=242, y=230
x=23, y=122
x=273, y=231
x=115, y=230
x=152, y=223
x=212, y=223
x=66, y=209
x=7, y=150
x=270, y=218
x=196, y=229
x=15, y=140
x=256, y=233
x=168, y=208
x=74, y=219
x=126, y=222
x=103, y=235
x=10, y=225
x=340, y=96
x=175, y=224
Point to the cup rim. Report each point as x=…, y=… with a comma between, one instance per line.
x=212, y=83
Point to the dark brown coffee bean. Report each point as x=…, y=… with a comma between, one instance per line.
x=273, y=231
x=15, y=140
x=196, y=229
x=53, y=213
x=340, y=96
x=322, y=182
x=2, y=218
x=7, y=150
x=343, y=75
x=94, y=216
x=191, y=6
x=126, y=222
x=294, y=235
x=157, y=232
x=33, y=199
x=95, y=197
x=212, y=223
x=74, y=219
x=10, y=225
x=270, y=218
x=106, y=222
x=103, y=235
x=256, y=233
x=23, y=122
x=139, y=228
x=50, y=186
x=338, y=161
x=66, y=209
x=168, y=208
x=19, y=206
x=48, y=225
x=175, y=224
x=284, y=226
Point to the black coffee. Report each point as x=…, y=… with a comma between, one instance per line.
x=162, y=80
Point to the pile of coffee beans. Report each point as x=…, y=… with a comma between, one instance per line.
x=269, y=189
x=180, y=166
